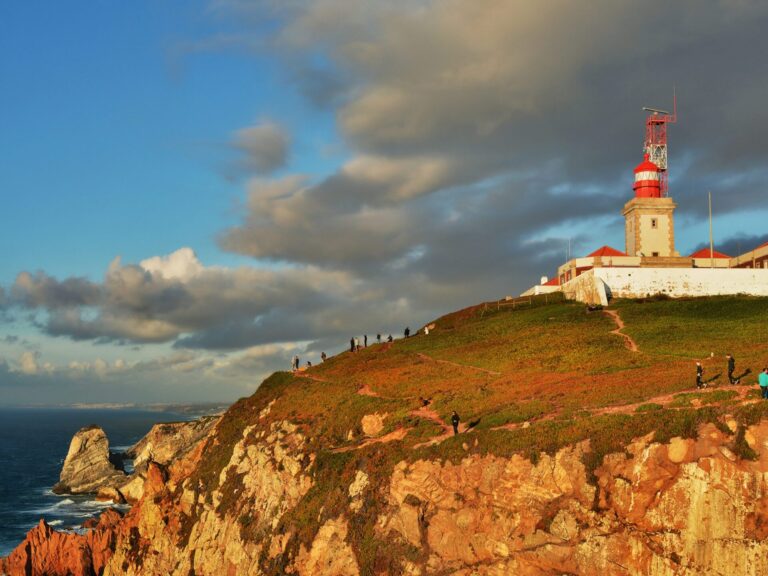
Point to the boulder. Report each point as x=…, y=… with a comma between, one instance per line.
x=373, y=424
x=88, y=465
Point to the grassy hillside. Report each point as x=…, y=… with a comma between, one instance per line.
x=527, y=381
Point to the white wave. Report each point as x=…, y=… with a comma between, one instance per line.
x=56, y=522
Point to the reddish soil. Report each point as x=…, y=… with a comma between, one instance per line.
x=628, y=341
x=425, y=357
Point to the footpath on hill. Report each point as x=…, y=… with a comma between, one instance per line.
x=557, y=358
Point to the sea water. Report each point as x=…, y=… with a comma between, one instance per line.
x=33, y=445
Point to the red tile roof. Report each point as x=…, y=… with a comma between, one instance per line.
x=552, y=282
x=606, y=251
x=704, y=253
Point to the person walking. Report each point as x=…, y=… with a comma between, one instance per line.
x=699, y=376
x=293, y=362
x=357, y=343
x=407, y=331
x=426, y=330
x=365, y=340
x=378, y=338
x=351, y=344
x=762, y=379
x=455, y=421
x=323, y=356
x=731, y=369
x=389, y=338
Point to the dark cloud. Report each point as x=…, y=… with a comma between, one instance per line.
x=737, y=245
x=263, y=148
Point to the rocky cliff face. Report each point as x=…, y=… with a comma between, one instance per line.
x=166, y=442
x=255, y=500
x=88, y=466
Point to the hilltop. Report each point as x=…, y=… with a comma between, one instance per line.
x=584, y=448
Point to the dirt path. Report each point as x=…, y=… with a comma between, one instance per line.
x=628, y=341
x=366, y=390
x=663, y=400
x=308, y=377
x=429, y=414
x=425, y=357
x=398, y=434
x=669, y=398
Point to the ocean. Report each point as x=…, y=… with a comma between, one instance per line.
x=33, y=445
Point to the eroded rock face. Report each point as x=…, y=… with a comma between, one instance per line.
x=87, y=466
x=47, y=552
x=165, y=442
x=330, y=554
x=181, y=526
x=683, y=508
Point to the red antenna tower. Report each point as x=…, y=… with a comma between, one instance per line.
x=656, y=140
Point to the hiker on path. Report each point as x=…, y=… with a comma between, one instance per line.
x=357, y=343
x=762, y=379
x=407, y=331
x=378, y=338
x=426, y=330
x=455, y=421
x=389, y=338
x=351, y=344
x=699, y=375
x=424, y=401
x=731, y=369
x=365, y=340
x=323, y=356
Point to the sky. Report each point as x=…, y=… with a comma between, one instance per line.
x=194, y=191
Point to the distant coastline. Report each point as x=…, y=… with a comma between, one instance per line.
x=191, y=409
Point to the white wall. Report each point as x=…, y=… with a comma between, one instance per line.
x=675, y=282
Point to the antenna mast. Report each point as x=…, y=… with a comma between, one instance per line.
x=656, y=140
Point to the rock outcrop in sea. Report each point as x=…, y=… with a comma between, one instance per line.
x=89, y=465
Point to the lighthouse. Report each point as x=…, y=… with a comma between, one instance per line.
x=649, y=226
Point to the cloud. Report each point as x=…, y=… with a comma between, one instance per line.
x=738, y=244
x=263, y=147
x=28, y=363
x=165, y=297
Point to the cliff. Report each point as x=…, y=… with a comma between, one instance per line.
x=577, y=455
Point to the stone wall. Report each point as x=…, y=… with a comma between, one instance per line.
x=674, y=282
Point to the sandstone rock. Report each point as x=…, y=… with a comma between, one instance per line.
x=110, y=494
x=87, y=466
x=165, y=442
x=356, y=489
x=373, y=424
x=133, y=490
x=46, y=552
x=330, y=554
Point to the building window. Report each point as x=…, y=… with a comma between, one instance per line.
x=654, y=223
x=655, y=254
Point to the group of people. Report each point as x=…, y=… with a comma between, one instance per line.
x=354, y=346
x=762, y=378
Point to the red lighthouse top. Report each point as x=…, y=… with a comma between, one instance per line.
x=647, y=180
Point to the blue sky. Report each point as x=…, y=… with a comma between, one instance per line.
x=278, y=176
